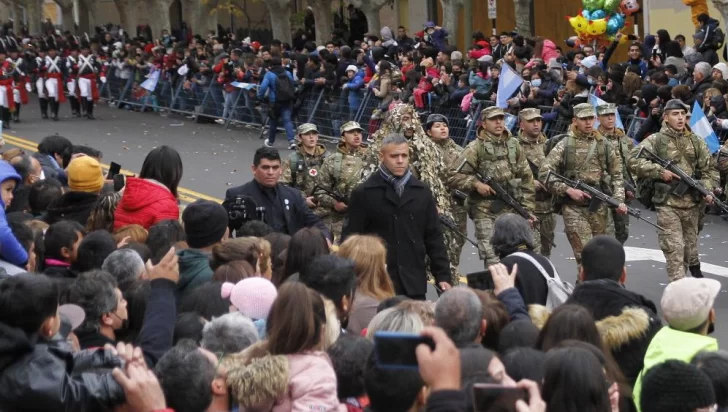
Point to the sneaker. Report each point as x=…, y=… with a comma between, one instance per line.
x=267, y=143
x=190, y=117
x=292, y=145
x=220, y=121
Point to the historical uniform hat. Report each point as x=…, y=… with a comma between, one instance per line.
x=492, y=111
x=350, y=126
x=584, y=110
x=607, y=108
x=307, y=127
x=530, y=114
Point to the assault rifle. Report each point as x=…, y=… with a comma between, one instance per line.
x=686, y=182
x=337, y=196
x=503, y=198
x=450, y=224
x=597, y=197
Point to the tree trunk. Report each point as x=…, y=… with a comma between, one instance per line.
x=371, y=8
x=324, y=19
x=161, y=20
x=34, y=9
x=722, y=6
x=87, y=16
x=67, y=14
x=128, y=15
x=450, y=9
x=522, y=10
x=197, y=15
x=280, y=19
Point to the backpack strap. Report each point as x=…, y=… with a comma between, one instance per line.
x=296, y=163
x=538, y=266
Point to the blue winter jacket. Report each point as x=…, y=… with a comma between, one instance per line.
x=355, y=86
x=10, y=249
x=269, y=83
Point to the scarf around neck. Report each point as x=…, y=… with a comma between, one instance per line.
x=398, y=183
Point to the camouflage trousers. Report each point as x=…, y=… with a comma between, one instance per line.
x=544, y=233
x=483, y=233
x=580, y=226
x=454, y=242
x=335, y=224
x=618, y=226
x=679, y=240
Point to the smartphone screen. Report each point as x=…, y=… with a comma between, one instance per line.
x=396, y=350
x=114, y=169
x=480, y=280
x=489, y=397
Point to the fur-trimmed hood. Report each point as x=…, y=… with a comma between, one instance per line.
x=632, y=324
x=261, y=381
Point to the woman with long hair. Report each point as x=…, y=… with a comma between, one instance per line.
x=151, y=197
x=298, y=374
x=305, y=245
x=373, y=283
x=574, y=381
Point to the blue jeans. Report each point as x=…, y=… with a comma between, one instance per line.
x=280, y=114
x=230, y=99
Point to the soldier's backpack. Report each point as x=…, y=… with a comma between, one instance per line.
x=558, y=290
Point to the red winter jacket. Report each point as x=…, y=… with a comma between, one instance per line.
x=145, y=202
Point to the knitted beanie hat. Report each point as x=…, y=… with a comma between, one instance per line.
x=85, y=175
x=253, y=297
x=675, y=386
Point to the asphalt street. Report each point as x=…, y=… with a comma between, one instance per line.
x=216, y=159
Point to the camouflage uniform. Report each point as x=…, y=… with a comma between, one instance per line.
x=426, y=162
x=593, y=160
x=535, y=153
x=340, y=174
x=450, y=151
x=301, y=169
x=618, y=225
x=678, y=215
x=502, y=158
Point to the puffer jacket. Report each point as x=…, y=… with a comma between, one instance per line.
x=145, y=202
x=10, y=249
x=39, y=376
x=75, y=206
x=297, y=383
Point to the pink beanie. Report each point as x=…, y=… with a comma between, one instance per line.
x=253, y=297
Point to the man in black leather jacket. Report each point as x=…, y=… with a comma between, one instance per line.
x=36, y=374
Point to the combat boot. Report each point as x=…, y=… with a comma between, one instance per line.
x=695, y=271
x=43, y=108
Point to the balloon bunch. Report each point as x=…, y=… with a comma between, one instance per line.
x=601, y=20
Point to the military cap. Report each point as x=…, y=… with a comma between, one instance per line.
x=530, y=114
x=607, y=108
x=350, y=126
x=583, y=110
x=435, y=118
x=676, y=104
x=307, y=127
x=492, y=111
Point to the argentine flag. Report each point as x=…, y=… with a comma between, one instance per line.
x=508, y=83
x=701, y=127
x=595, y=101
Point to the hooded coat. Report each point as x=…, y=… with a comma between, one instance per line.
x=75, y=206
x=145, y=202
x=35, y=375
x=194, y=270
x=298, y=383
x=10, y=249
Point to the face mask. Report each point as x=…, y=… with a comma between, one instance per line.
x=591, y=81
x=376, y=69
x=370, y=43
x=536, y=82
x=430, y=31
x=42, y=175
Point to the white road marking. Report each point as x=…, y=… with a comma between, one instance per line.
x=638, y=253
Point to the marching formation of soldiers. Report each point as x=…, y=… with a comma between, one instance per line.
x=544, y=176
x=70, y=72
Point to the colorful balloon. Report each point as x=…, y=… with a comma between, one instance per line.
x=611, y=5
x=629, y=7
x=598, y=14
x=578, y=23
x=596, y=27
x=592, y=5
x=586, y=14
x=614, y=25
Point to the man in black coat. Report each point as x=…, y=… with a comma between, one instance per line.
x=626, y=320
x=400, y=209
x=283, y=207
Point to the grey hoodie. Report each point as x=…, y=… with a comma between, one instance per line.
x=387, y=37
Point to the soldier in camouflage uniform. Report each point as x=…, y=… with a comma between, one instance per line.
x=618, y=225
x=425, y=163
x=497, y=154
x=340, y=174
x=533, y=142
x=302, y=167
x=583, y=154
x=436, y=127
x=677, y=214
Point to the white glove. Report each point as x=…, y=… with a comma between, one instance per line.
x=103, y=79
x=28, y=87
